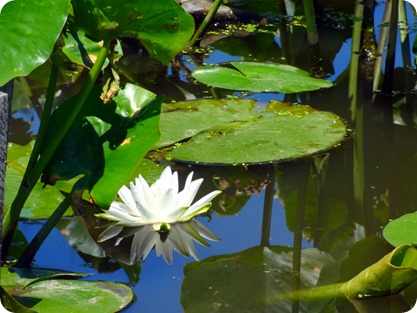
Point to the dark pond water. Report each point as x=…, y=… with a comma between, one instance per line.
x=350, y=193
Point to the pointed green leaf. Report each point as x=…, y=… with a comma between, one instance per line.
x=28, y=32
x=121, y=162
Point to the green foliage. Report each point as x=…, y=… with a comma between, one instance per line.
x=280, y=133
x=402, y=230
x=43, y=199
x=28, y=32
x=162, y=26
x=259, y=77
x=48, y=291
x=248, y=281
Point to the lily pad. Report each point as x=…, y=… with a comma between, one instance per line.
x=28, y=32
x=292, y=132
x=44, y=291
x=43, y=200
x=182, y=120
x=259, y=77
x=402, y=230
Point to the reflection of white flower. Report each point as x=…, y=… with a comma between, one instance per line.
x=179, y=237
x=162, y=216
x=159, y=205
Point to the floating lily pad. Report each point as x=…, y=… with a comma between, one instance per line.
x=49, y=291
x=182, y=120
x=281, y=133
x=259, y=77
x=402, y=230
x=43, y=200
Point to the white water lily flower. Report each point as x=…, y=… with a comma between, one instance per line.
x=159, y=205
x=179, y=237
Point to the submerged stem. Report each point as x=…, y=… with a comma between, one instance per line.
x=29, y=253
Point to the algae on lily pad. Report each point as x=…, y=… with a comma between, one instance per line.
x=258, y=77
x=50, y=291
x=280, y=133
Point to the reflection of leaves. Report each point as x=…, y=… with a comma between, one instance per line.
x=248, y=281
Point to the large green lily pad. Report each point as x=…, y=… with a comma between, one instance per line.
x=45, y=291
x=281, y=133
x=28, y=31
x=259, y=77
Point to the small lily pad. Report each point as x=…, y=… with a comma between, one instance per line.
x=259, y=77
x=402, y=230
x=46, y=291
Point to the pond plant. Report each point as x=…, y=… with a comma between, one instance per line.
x=90, y=145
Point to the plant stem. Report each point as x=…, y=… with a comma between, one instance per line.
x=205, y=22
x=40, y=137
x=268, y=203
x=11, y=217
x=29, y=253
x=390, y=60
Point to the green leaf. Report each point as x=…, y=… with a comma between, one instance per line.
x=121, y=163
x=63, y=295
x=290, y=133
x=43, y=200
x=162, y=26
x=388, y=276
x=28, y=32
x=402, y=230
x=248, y=281
x=10, y=303
x=259, y=77
x=182, y=120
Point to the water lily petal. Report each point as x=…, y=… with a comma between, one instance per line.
x=189, y=230
x=126, y=195
x=184, y=242
x=187, y=195
x=143, y=242
x=166, y=197
x=118, y=212
x=204, y=231
x=164, y=248
x=199, y=207
x=145, y=199
x=109, y=232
